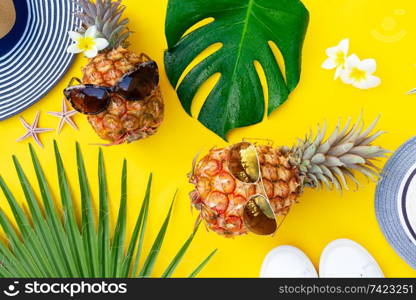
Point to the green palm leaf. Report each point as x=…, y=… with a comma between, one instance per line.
x=244, y=29
x=175, y=262
x=138, y=228
x=157, y=244
x=120, y=233
x=203, y=264
x=60, y=239
x=70, y=222
x=44, y=245
x=43, y=232
x=88, y=225
x=104, y=222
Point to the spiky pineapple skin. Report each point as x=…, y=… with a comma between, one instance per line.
x=123, y=121
x=221, y=197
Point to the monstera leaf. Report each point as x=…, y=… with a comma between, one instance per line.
x=244, y=28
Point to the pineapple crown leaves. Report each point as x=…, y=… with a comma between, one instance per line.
x=330, y=162
x=106, y=16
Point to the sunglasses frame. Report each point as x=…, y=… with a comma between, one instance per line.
x=263, y=193
x=108, y=90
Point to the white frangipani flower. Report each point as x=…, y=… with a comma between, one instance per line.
x=89, y=43
x=337, y=56
x=359, y=73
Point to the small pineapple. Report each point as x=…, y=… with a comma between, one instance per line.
x=229, y=182
x=123, y=121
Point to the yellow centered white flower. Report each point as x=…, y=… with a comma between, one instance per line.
x=359, y=73
x=89, y=43
x=337, y=57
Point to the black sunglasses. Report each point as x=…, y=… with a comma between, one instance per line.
x=135, y=85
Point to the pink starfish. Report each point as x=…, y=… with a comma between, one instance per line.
x=65, y=116
x=33, y=130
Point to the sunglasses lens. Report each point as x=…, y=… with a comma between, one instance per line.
x=244, y=164
x=88, y=100
x=141, y=83
x=259, y=217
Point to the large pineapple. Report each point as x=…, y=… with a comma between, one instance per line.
x=247, y=187
x=123, y=121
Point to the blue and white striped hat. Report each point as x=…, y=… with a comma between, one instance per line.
x=33, y=54
x=396, y=201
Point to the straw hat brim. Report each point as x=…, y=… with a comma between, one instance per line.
x=38, y=59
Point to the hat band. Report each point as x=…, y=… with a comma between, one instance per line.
x=14, y=35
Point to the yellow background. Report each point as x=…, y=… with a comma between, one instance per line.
x=380, y=29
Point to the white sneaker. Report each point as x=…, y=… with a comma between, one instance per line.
x=346, y=258
x=289, y=262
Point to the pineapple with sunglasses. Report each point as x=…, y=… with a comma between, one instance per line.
x=119, y=89
x=251, y=188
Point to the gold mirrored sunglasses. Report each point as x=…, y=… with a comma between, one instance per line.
x=258, y=214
